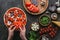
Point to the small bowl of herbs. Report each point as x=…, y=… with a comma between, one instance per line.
x=44, y=20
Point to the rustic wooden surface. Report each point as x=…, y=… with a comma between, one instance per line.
x=6, y=4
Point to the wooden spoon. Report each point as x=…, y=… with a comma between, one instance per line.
x=57, y=23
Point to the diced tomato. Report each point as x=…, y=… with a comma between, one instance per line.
x=15, y=14
x=33, y=8
x=28, y=4
x=11, y=19
x=17, y=24
x=19, y=19
x=20, y=24
x=20, y=12
x=23, y=17
x=29, y=9
x=24, y=22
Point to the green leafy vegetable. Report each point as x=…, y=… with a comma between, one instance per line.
x=44, y=20
x=32, y=36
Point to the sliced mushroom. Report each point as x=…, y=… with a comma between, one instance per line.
x=42, y=3
x=54, y=16
x=9, y=23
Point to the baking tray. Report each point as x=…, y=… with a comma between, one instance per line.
x=6, y=4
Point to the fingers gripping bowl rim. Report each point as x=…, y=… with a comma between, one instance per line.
x=44, y=9
x=17, y=9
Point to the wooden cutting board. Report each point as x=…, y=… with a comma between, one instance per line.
x=41, y=8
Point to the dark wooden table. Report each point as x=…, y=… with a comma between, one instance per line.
x=6, y=4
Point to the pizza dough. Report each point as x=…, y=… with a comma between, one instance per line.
x=15, y=16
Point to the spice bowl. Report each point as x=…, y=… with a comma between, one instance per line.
x=35, y=26
x=43, y=37
x=44, y=20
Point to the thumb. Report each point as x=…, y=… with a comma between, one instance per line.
x=20, y=28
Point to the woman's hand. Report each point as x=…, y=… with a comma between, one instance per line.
x=11, y=32
x=22, y=33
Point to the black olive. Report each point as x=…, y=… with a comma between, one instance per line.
x=19, y=15
x=12, y=13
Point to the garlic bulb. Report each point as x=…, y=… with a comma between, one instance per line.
x=35, y=26
x=58, y=9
